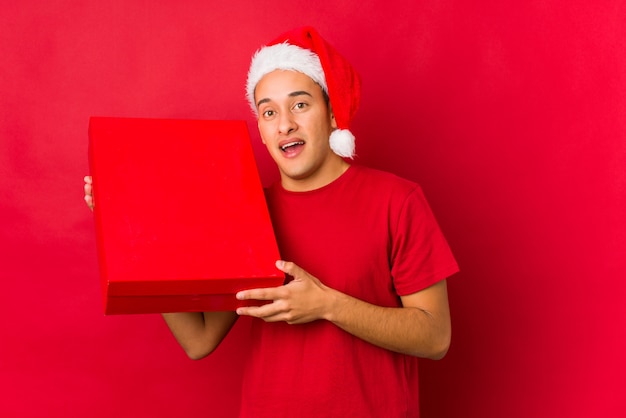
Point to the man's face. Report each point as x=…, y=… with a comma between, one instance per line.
x=295, y=124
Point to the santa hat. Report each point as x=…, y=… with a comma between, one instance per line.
x=305, y=51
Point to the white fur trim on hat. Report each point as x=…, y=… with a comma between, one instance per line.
x=342, y=143
x=283, y=56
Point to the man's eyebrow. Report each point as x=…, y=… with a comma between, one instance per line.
x=300, y=93
x=292, y=94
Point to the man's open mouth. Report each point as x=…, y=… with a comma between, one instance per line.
x=291, y=145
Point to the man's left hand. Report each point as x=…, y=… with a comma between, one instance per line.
x=302, y=300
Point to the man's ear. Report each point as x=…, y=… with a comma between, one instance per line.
x=333, y=122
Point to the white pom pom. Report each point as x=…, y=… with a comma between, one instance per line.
x=342, y=143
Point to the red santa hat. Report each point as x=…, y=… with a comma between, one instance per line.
x=305, y=51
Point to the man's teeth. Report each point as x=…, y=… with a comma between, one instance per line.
x=291, y=144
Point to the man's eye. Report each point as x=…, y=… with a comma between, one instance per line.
x=268, y=113
x=299, y=106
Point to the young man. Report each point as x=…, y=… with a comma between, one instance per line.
x=366, y=261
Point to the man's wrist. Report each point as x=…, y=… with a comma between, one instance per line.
x=335, y=305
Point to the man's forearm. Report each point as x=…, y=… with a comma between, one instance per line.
x=412, y=330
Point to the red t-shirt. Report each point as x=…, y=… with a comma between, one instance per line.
x=371, y=235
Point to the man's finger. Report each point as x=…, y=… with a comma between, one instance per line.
x=265, y=312
x=288, y=267
x=269, y=293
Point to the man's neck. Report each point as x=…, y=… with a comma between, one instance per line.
x=316, y=181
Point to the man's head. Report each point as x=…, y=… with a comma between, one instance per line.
x=304, y=51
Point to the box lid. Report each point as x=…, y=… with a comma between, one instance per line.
x=179, y=207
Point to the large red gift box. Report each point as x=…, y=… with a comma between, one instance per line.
x=180, y=214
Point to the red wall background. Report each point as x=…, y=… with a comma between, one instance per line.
x=511, y=116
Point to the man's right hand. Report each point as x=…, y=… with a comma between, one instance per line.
x=88, y=192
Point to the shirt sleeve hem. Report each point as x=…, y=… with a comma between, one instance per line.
x=428, y=281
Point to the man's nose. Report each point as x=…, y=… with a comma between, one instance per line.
x=286, y=123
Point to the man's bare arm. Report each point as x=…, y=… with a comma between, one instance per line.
x=421, y=327
x=199, y=333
